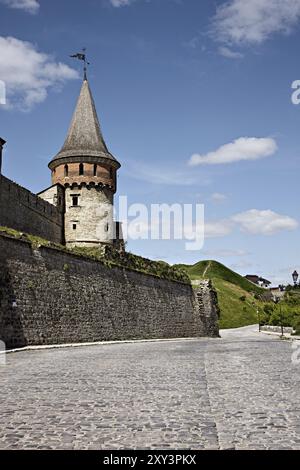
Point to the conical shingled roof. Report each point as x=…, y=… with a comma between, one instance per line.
x=84, y=137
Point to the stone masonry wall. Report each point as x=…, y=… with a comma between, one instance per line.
x=207, y=307
x=24, y=211
x=48, y=296
x=90, y=222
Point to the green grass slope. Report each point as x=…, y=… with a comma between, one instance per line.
x=238, y=298
x=214, y=270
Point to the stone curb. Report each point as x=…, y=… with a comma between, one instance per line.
x=99, y=343
x=285, y=335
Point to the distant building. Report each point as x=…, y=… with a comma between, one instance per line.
x=280, y=288
x=258, y=280
x=277, y=292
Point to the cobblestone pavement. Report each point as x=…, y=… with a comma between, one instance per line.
x=241, y=391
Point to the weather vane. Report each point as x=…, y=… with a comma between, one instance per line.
x=82, y=56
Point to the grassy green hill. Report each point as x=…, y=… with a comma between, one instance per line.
x=213, y=270
x=238, y=298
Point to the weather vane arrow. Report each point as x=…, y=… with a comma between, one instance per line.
x=82, y=56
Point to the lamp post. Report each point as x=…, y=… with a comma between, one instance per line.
x=277, y=301
x=295, y=276
x=258, y=316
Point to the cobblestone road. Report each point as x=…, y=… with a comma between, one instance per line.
x=241, y=391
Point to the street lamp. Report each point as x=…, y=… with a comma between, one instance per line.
x=277, y=301
x=295, y=276
x=258, y=316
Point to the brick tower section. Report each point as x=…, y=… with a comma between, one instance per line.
x=88, y=171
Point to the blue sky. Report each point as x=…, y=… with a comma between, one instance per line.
x=171, y=79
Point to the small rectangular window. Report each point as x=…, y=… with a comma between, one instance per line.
x=74, y=226
x=75, y=200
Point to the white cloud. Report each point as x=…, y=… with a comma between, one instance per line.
x=30, y=6
x=29, y=74
x=244, y=148
x=254, y=21
x=241, y=265
x=218, y=197
x=263, y=222
x=121, y=3
x=225, y=253
x=164, y=176
x=192, y=43
x=230, y=54
x=217, y=229
x=254, y=222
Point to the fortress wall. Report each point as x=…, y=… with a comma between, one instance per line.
x=24, y=211
x=49, y=296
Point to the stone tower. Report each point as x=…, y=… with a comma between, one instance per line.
x=88, y=172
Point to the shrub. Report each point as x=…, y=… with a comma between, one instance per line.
x=268, y=309
x=296, y=324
